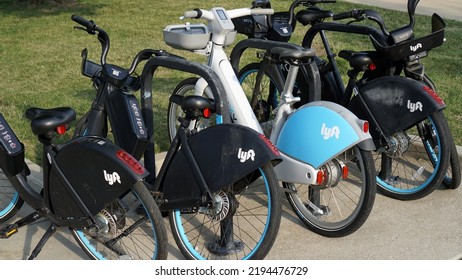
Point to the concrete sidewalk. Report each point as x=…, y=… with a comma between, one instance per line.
x=447, y=9
x=426, y=229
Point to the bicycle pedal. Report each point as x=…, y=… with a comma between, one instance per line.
x=9, y=230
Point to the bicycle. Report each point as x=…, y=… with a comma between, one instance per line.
x=230, y=206
x=319, y=175
x=398, y=60
x=391, y=136
x=90, y=186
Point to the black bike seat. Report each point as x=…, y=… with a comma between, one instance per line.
x=193, y=102
x=287, y=53
x=358, y=59
x=46, y=120
x=312, y=15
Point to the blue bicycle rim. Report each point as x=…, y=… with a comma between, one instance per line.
x=10, y=206
x=434, y=158
x=196, y=254
x=98, y=255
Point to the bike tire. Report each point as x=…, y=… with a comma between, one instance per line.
x=416, y=172
x=452, y=179
x=10, y=201
x=255, y=223
x=137, y=232
x=348, y=203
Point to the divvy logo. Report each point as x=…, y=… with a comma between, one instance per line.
x=416, y=47
x=112, y=178
x=327, y=132
x=244, y=156
x=414, y=106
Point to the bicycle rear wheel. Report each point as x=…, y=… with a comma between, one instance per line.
x=453, y=176
x=337, y=210
x=130, y=228
x=418, y=163
x=245, y=227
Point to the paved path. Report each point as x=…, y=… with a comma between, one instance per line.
x=448, y=9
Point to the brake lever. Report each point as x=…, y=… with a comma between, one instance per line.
x=89, y=31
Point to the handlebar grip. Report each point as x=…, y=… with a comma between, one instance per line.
x=259, y=11
x=89, y=24
x=350, y=14
x=196, y=13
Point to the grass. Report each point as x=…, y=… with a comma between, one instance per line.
x=40, y=54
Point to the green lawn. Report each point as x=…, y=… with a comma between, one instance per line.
x=40, y=54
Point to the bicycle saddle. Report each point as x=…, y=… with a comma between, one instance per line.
x=359, y=59
x=312, y=15
x=46, y=120
x=286, y=53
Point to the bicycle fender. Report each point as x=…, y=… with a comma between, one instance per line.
x=225, y=154
x=395, y=103
x=319, y=131
x=94, y=171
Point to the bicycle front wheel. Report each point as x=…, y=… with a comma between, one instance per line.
x=419, y=161
x=130, y=228
x=245, y=227
x=339, y=209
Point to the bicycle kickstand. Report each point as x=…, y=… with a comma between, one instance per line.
x=50, y=231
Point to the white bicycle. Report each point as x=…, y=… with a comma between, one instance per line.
x=327, y=170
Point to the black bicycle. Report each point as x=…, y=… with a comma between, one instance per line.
x=217, y=184
x=397, y=52
x=412, y=155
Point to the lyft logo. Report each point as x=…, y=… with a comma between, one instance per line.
x=328, y=133
x=244, y=156
x=414, y=106
x=112, y=178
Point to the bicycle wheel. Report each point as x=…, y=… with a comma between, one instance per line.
x=339, y=208
x=418, y=162
x=10, y=201
x=184, y=88
x=453, y=176
x=265, y=99
x=245, y=227
x=130, y=228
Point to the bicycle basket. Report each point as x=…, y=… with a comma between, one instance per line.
x=413, y=47
x=187, y=36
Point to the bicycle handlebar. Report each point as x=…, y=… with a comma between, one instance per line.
x=350, y=14
x=92, y=28
x=88, y=24
x=359, y=15
x=235, y=13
